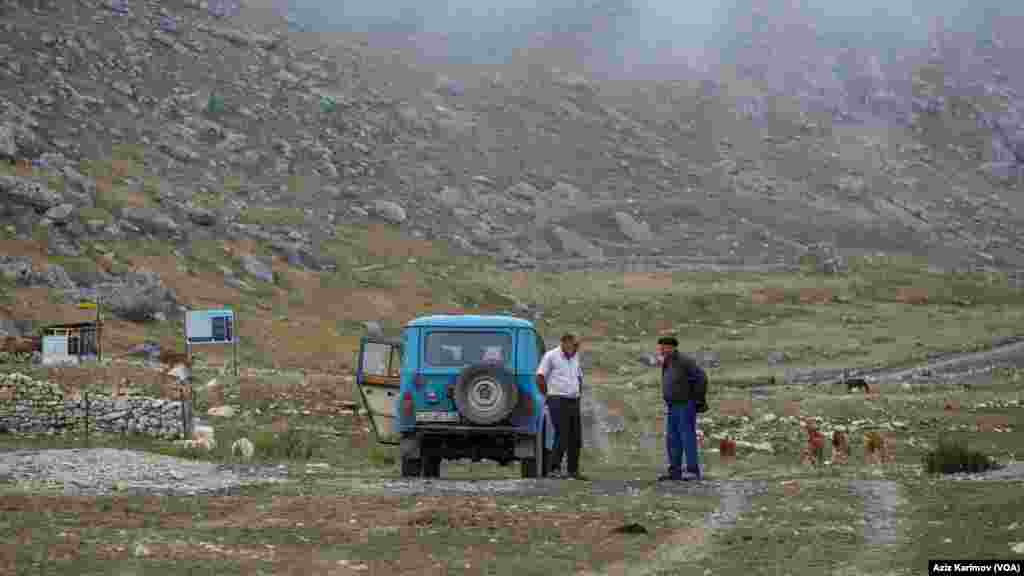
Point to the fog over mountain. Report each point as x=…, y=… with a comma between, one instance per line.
x=630, y=38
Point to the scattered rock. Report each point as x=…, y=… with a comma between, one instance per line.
x=20, y=270
x=243, y=447
x=574, y=244
x=708, y=359
x=201, y=216
x=28, y=192
x=649, y=360
x=60, y=214
x=523, y=191
x=565, y=194
x=221, y=411
x=150, y=220
x=1001, y=173
x=389, y=211
x=17, y=269
x=632, y=228
x=140, y=297
x=148, y=349
x=373, y=329
x=258, y=268
x=451, y=196
x=8, y=147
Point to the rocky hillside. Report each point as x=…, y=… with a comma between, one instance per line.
x=213, y=120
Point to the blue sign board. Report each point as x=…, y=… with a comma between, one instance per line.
x=210, y=327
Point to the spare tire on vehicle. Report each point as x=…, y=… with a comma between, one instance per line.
x=485, y=394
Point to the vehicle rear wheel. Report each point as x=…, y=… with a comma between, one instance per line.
x=486, y=394
x=431, y=466
x=412, y=467
x=537, y=466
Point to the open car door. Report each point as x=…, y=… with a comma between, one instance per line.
x=378, y=377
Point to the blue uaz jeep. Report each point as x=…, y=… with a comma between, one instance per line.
x=457, y=387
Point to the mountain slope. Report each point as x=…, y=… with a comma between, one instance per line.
x=157, y=134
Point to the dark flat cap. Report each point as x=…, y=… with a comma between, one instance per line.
x=668, y=341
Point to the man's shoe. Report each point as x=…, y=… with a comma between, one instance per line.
x=668, y=477
x=579, y=477
x=556, y=474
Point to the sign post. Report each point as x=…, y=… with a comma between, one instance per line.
x=211, y=327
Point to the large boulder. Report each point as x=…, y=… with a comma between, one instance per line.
x=390, y=211
x=150, y=220
x=60, y=214
x=257, y=268
x=565, y=194
x=522, y=191
x=141, y=296
x=19, y=269
x=574, y=244
x=633, y=229
x=56, y=276
x=27, y=192
x=451, y=196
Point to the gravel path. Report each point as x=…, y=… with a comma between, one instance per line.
x=99, y=471
x=1013, y=472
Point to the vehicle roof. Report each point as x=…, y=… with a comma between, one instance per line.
x=471, y=321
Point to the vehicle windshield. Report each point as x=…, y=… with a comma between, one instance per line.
x=463, y=348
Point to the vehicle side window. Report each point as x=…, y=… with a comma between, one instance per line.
x=376, y=357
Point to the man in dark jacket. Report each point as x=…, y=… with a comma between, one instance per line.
x=683, y=389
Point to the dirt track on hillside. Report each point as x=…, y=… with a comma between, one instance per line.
x=1009, y=351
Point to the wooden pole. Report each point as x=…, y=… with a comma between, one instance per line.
x=188, y=345
x=99, y=332
x=234, y=338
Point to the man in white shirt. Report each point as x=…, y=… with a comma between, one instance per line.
x=560, y=378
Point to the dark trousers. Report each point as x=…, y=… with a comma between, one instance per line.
x=680, y=437
x=565, y=415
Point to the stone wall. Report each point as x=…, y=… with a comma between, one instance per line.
x=33, y=406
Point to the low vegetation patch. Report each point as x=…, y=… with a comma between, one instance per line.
x=267, y=216
x=953, y=457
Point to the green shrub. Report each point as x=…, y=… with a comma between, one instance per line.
x=293, y=444
x=14, y=357
x=951, y=457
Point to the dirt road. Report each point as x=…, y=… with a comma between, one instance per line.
x=1007, y=351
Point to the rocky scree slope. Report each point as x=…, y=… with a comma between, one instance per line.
x=231, y=112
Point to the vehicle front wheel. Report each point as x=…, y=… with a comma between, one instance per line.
x=412, y=467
